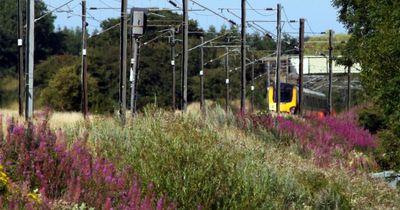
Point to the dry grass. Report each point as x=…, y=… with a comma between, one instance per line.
x=194, y=108
x=57, y=119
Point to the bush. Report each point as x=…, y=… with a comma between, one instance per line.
x=330, y=140
x=62, y=95
x=40, y=159
x=371, y=119
x=388, y=151
x=8, y=91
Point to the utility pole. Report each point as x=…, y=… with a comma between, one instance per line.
x=30, y=44
x=133, y=65
x=123, y=64
x=84, y=63
x=21, y=59
x=243, y=60
x=330, y=102
x=133, y=70
x=137, y=74
x=172, y=43
x=185, y=52
x=252, y=84
x=227, y=79
x=301, y=67
x=278, y=61
x=348, y=87
x=202, y=108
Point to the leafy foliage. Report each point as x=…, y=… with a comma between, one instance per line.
x=375, y=45
x=40, y=159
x=63, y=95
x=47, y=43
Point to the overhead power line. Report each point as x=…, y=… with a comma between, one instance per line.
x=256, y=27
x=105, y=30
x=219, y=15
x=213, y=39
x=287, y=19
x=256, y=10
x=47, y=13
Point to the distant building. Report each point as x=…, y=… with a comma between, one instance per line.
x=317, y=65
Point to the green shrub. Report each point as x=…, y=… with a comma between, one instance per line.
x=371, y=119
x=8, y=91
x=388, y=151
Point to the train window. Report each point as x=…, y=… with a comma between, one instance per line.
x=286, y=93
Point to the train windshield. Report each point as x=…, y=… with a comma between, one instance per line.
x=286, y=93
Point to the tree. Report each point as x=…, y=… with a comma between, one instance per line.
x=66, y=96
x=72, y=40
x=61, y=95
x=374, y=26
x=48, y=43
x=375, y=45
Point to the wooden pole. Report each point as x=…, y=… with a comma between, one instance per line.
x=243, y=60
x=21, y=59
x=202, y=104
x=84, y=63
x=330, y=102
x=123, y=64
x=301, y=67
x=278, y=61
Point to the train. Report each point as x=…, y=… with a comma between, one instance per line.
x=314, y=103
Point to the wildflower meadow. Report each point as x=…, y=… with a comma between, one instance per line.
x=162, y=160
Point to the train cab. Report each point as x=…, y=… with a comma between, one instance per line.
x=314, y=103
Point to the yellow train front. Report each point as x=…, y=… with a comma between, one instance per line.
x=314, y=103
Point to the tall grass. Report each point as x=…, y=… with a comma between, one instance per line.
x=37, y=159
x=212, y=162
x=163, y=160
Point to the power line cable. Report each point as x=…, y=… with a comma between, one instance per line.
x=212, y=11
x=105, y=30
x=92, y=17
x=105, y=4
x=287, y=19
x=252, y=8
x=309, y=26
x=260, y=29
x=47, y=13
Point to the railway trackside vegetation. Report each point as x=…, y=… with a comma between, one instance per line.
x=164, y=159
x=223, y=161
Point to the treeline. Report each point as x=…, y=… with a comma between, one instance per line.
x=57, y=59
x=375, y=44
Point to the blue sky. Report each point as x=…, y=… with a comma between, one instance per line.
x=320, y=15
